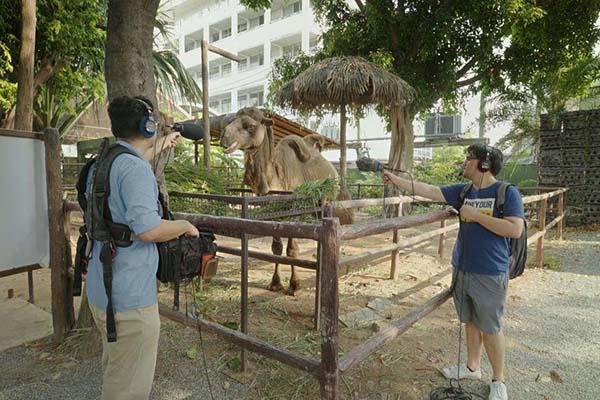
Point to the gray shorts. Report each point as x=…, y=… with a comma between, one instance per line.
x=484, y=299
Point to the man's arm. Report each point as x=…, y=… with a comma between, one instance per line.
x=168, y=230
x=161, y=144
x=420, y=189
x=510, y=227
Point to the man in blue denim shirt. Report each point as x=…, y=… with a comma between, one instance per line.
x=129, y=363
x=480, y=259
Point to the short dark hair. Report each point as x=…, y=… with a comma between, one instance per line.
x=125, y=114
x=480, y=151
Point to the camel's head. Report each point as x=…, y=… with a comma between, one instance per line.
x=248, y=130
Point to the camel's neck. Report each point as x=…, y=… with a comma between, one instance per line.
x=260, y=174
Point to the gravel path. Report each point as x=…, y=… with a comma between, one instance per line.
x=552, y=326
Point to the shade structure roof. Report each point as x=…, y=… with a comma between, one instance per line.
x=351, y=81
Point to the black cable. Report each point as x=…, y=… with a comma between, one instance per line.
x=196, y=315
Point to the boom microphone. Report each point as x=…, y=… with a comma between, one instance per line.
x=367, y=164
x=189, y=130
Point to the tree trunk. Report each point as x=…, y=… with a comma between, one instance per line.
x=343, y=123
x=128, y=64
x=24, y=106
x=402, y=145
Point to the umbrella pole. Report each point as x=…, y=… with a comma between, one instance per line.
x=343, y=147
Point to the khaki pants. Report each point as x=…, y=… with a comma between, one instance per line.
x=128, y=364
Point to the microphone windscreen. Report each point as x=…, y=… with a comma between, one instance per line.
x=189, y=130
x=366, y=164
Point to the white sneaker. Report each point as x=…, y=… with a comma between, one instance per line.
x=498, y=391
x=462, y=372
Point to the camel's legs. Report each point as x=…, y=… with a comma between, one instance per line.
x=293, y=251
x=277, y=249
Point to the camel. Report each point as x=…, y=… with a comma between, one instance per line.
x=293, y=161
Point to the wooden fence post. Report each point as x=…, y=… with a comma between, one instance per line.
x=441, y=241
x=330, y=245
x=561, y=212
x=244, y=278
x=395, y=253
x=62, y=303
x=539, y=256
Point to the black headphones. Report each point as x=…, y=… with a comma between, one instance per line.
x=486, y=164
x=147, y=126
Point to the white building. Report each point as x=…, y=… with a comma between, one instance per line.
x=260, y=38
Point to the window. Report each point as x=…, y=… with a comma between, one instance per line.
x=292, y=9
x=252, y=99
x=214, y=37
x=225, y=33
x=256, y=60
x=213, y=71
x=221, y=105
x=226, y=69
x=440, y=124
x=242, y=100
x=242, y=27
x=242, y=65
x=291, y=50
x=226, y=105
x=256, y=99
x=257, y=21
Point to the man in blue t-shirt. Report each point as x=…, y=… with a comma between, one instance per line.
x=128, y=364
x=480, y=258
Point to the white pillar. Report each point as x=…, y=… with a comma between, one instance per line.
x=234, y=24
x=305, y=40
x=267, y=16
x=267, y=54
x=234, y=100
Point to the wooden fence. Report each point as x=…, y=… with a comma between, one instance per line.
x=330, y=236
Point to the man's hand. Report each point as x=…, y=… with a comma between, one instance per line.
x=389, y=178
x=192, y=231
x=469, y=213
x=170, y=140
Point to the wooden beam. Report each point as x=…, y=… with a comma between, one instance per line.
x=205, y=112
x=224, y=53
x=372, y=254
x=19, y=270
x=538, y=197
x=21, y=134
x=62, y=304
x=377, y=341
x=372, y=228
x=270, y=257
x=539, y=254
x=330, y=245
x=247, y=342
x=227, y=225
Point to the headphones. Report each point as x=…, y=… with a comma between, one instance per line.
x=486, y=164
x=147, y=125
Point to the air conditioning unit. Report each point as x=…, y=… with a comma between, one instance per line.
x=443, y=125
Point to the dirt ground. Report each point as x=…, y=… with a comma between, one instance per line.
x=552, y=327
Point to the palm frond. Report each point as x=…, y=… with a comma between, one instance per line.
x=173, y=80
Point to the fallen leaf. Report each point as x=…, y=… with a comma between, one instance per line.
x=556, y=377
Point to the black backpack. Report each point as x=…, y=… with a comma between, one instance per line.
x=518, y=247
x=177, y=258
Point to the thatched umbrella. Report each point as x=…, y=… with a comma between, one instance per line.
x=340, y=82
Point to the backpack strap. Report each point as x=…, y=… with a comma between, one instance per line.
x=501, y=197
x=102, y=227
x=463, y=193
